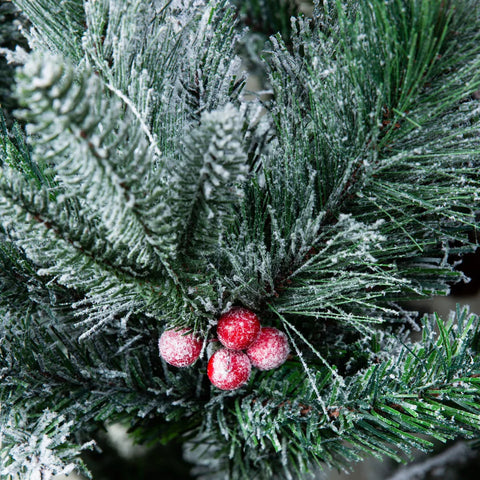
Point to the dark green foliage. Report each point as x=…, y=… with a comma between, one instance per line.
x=268, y=17
x=148, y=193
x=429, y=388
x=347, y=164
x=11, y=23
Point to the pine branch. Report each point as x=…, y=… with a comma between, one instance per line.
x=406, y=397
x=105, y=378
x=176, y=86
x=59, y=25
x=79, y=134
x=39, y=450
x=112, y=234
x=69, y=250
x=208, y=179
x=342, y=148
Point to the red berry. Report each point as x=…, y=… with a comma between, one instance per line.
x=179, y=348
x=238, y=328
x=269, y=350
x=228, y=369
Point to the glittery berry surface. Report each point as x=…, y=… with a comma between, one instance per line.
x=179, y=348
x=269, y=350
x=228, y=369
x=238, y=328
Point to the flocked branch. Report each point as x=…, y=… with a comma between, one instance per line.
x=146, y=192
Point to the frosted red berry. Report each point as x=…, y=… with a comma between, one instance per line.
x=238, y=328
x=229, y=369
x=269, y=350
x=179, y=348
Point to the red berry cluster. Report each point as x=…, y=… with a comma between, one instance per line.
x=229, y=368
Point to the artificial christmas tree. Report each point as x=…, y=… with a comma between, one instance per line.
x=141, y=192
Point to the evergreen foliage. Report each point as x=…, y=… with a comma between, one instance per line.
x=146, y=192
x=11, y=23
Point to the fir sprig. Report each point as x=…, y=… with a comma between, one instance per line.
x=343, y=149
x=58, y=25
x=408, y=396
x=64, y=117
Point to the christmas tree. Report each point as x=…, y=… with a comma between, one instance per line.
x=229, y=271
